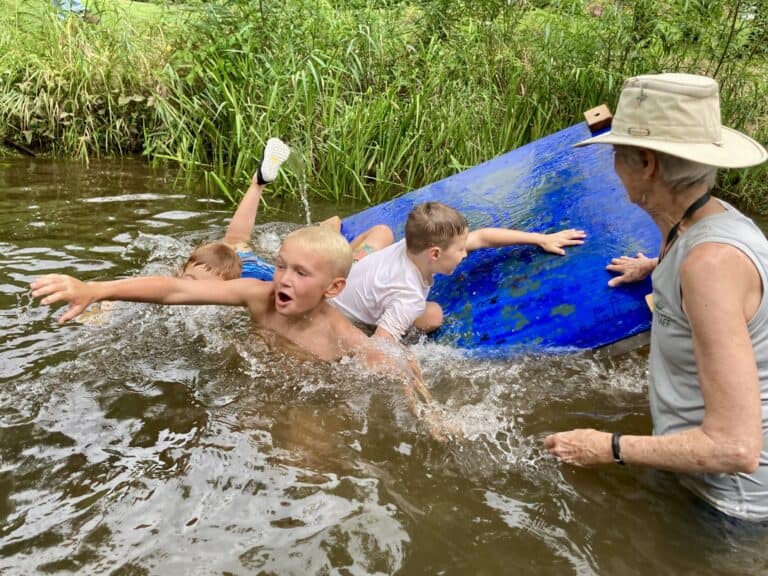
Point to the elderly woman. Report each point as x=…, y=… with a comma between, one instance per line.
x=708, y=365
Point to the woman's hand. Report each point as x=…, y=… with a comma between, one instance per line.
x=631, y=269
x=583, y=447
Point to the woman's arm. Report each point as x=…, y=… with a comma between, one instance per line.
x=721, y=292
x=498, y=237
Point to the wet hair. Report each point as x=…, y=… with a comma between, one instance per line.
x=677, y=173
x=216, y=257
x=433, y=224
x=326, y=242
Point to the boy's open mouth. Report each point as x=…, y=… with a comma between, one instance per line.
x=283, y=298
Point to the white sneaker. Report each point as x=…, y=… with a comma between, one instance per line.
x=275, y=153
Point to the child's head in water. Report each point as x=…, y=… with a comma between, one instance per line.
x=212, y=261
x=438, y=233
x=311, y=266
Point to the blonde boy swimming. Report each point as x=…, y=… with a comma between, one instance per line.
x=222, y=260
x=311, y=267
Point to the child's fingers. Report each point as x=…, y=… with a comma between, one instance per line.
x=54, y=288
x=57, y=296
x=46, y=290
x=41, y=280
x=39, y=290
x=553, y=249
x=570, y=237
x=46, y=285
x=73, y=311
x=437, y=434
x=40, y=284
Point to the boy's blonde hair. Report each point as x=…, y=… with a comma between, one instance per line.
x=433, y=224
x=218, y=258
x=326, y=242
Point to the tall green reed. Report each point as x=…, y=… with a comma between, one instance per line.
x=77, y=90
x=382, y=97
x=378, y=96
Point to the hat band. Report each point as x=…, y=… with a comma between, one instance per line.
x=693, y=134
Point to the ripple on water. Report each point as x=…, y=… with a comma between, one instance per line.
x=531, y=523
x=175, y=440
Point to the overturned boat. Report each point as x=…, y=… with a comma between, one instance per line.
x=506, y=301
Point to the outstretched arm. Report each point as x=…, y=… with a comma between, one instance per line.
x=79, y=295
x=498, y=237
x=383, y=353
x=631, y=269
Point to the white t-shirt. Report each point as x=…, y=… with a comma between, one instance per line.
x=384, y=289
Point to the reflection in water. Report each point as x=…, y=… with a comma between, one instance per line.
x=178, y=441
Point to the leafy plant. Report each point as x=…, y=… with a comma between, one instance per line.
x=376, y=96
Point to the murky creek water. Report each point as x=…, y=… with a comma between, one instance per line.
x=172, y=441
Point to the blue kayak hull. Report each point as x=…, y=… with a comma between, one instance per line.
x=505, y=301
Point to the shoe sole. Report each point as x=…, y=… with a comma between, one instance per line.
x=275, y=153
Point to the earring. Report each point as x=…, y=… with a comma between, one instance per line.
x=644, y=198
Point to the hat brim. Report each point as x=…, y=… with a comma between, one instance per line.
x=736, y=150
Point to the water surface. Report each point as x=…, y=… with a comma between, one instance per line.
x=176, y=441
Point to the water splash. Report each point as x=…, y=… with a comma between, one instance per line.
x=298, y=166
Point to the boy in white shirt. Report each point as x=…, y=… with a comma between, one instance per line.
x=388, y=286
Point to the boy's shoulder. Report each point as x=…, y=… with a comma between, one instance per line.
x=348, y=336
x=390, y=258
x=257, y=295
x=388, y=269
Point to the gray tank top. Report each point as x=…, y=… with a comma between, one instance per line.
x=675, y=397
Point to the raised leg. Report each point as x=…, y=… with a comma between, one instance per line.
x=240, y=228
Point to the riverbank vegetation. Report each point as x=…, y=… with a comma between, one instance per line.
x=377, y=96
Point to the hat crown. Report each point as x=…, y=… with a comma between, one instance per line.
x=679, y=115
x=671, y=107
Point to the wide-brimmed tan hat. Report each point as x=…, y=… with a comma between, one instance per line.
x=679, y=114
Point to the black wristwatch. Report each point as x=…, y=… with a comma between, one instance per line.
x=616, y=446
